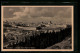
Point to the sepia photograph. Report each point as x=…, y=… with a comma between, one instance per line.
x=37, y=28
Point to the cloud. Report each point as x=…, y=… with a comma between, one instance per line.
x=43, y=11
x=11, y=9
x=38, y=14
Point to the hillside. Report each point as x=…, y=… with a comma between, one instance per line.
x=65, y=44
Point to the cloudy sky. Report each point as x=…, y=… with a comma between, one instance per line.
x=38, y=14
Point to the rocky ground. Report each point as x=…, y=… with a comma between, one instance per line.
x=65, y=44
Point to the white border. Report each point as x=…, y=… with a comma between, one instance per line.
x=36, y=49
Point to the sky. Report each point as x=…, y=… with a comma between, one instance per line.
x=38, y=14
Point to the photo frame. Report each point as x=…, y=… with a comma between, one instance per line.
x=46, y=5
